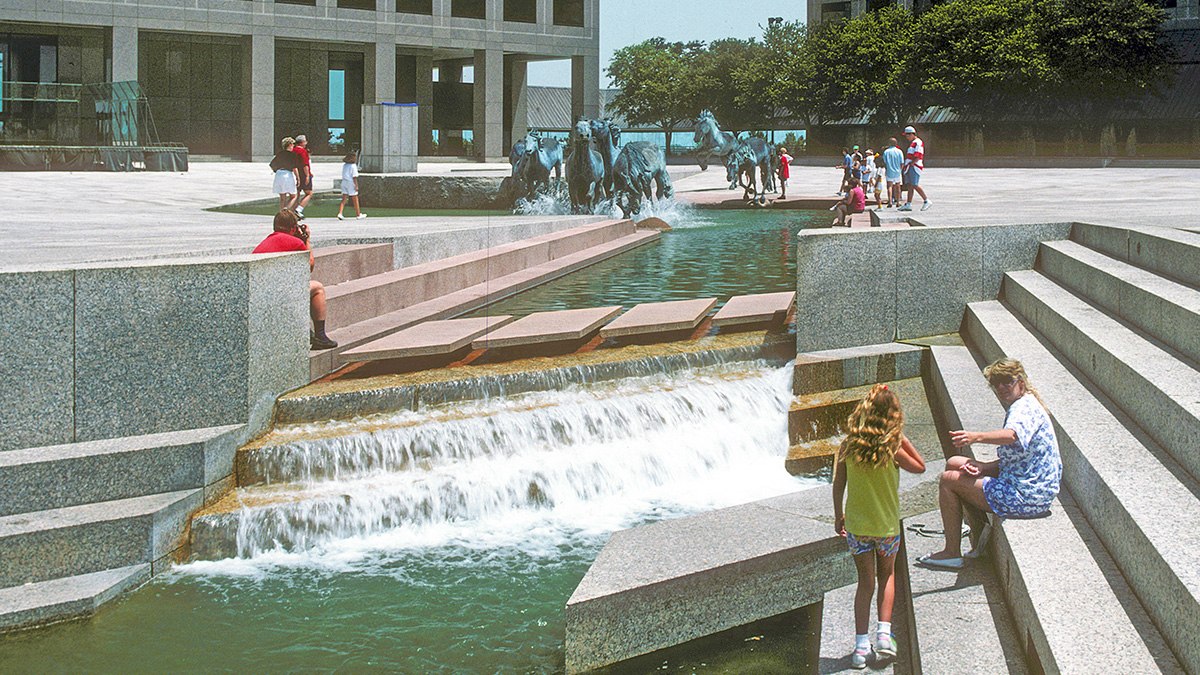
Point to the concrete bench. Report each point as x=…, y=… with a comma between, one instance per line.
x=1034, y=558
x=755, y=309
x=548, y=327
x=659, y=317
x=831, y=369
x=431, y=338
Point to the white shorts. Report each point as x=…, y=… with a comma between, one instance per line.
x=348, y=188
x=285, y=182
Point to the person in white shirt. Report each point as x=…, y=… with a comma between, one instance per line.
x=350, y=185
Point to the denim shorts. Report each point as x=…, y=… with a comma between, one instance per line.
x=912, y=176
x=888, y=546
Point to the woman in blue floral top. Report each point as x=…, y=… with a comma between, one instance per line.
x=1022, y=483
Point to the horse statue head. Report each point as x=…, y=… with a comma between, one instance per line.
x=708, y=133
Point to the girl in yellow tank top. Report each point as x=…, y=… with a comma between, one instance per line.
x=869, y=463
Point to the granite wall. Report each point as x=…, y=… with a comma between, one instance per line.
x=882, y=285
x=106, y=351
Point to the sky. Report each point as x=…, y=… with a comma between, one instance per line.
x=627, y=22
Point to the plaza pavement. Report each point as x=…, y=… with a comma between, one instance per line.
x=58, y=218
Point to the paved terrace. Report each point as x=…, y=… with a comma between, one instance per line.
x=57, y=218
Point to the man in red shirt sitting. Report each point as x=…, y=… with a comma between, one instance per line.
x=290, y=235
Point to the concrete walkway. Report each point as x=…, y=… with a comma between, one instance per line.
x=58, y=218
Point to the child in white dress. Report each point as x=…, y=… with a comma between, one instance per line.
x=350, y=185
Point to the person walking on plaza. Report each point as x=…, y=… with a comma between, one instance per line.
x=847, y=160
x=785, y=171
x=305, y=173
x=893, y=160
x=292, y=235
x=350, y=185
x=866, y=472
x=914, y=164
x=285, y=164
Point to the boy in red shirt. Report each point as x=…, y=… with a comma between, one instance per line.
x=290, y=235
x=305, y=173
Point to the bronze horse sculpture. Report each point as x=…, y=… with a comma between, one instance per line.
x=540, y=157
x=640, y=167
x=585, y=170
x=752, y=153
x=711, y=141
x=607, y=137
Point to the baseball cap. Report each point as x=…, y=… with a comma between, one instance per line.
x=909, y=130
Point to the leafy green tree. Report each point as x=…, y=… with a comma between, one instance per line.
x=656, y=83
x=716, y=87
x=777, y=75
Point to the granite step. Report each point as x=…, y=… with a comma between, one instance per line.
x=1154, y=384
x=360, y=299
x=1161, y=308
x=93, y=537
x=469, y=299
x=335, y=264
x=66, y=598
x=1141, y=504
x=37, y=479
x=1163, y=250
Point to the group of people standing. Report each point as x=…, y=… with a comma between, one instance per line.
x=887, y=175
x=294, y=178
x=1022, y=483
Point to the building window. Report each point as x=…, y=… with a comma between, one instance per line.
x=310, y=3
x=835, y=11
x=875, y=5
x=356, y=4
x=568, y=13
x=415, y=7
x=468, y=9
x=520, y=11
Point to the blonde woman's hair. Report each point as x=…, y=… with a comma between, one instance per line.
x=1012, y=368
x=287, y=140
x=874, y=428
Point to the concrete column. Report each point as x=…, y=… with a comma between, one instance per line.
x=545, y=8
x=517, y=109
x=262, y=96
x=124, y=53
x=424, y=97
x=585, y=86
x=385, y=71
x=488, y=114
x=1131, y=143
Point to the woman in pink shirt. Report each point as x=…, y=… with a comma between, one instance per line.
x=854, y=202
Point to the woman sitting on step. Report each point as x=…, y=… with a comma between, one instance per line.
x=1022, y=483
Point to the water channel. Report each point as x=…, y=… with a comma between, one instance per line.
x=507, y=502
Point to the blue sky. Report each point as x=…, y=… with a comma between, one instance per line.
x=627, y=22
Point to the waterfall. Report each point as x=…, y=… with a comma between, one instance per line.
x=598, y=456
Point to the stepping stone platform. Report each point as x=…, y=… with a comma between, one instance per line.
x=755, y=308
x=431, y=338
x=544, y=327
x=660, y=317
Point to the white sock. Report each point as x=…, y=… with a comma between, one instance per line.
x=862, y=641
x=885, y=628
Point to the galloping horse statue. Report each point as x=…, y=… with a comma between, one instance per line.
x=607, y=137
x=710, y=140
x=639, y=166
x=750, y=154
x=541, y=155
x=515, y=155
x=585, y=169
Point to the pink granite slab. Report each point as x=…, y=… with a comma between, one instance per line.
x=543, y=327
x=426, y=339
x=755, y=308
x=660, y=317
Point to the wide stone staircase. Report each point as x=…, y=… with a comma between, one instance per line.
x=1107, y=326
x=83, y=522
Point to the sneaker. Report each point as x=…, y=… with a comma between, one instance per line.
x=361, y=216
x=885, y=645
x=341, y=217
x=905, y=207
x=858, y=660
x=319, y=342
x=928, y=203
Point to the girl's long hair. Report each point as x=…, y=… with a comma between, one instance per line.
x=874, y=428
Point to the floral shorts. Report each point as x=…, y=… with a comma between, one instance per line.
x=888, y=546
x=1007, y=502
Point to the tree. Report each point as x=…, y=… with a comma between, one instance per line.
x=717, y=88
x=655, y=83
x=777, y=75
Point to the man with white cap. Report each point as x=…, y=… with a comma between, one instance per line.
x=914, y=163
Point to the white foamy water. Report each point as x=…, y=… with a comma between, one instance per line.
x=677, y=215
x=535, y=472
